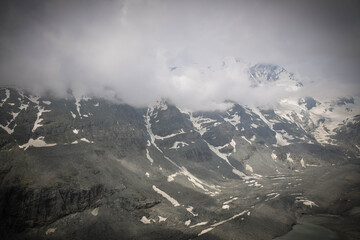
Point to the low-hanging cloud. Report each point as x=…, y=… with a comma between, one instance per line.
x=139, y=51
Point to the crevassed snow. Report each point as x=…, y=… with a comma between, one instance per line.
x=39, y=142
x=322, y=119
x=167, y=196
x=7, y=96
x=38, y=121
x=76, y=131
x=148, y=156
x=177, y=144
x=199, y=224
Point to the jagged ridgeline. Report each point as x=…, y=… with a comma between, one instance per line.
x=87, y=168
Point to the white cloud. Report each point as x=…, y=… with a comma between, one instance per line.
x=126, y=48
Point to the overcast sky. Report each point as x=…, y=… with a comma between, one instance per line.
x=126, y=48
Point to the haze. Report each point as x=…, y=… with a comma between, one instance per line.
x=126, y=49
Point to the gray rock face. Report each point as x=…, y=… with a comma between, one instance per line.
x=84, y=168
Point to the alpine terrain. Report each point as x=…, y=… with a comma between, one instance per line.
x=84, y=167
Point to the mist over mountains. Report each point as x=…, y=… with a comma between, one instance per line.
x=179, y=119
x=124, y=49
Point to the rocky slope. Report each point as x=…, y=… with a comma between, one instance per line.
x=83, y=168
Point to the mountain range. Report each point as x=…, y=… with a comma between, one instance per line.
x=88, y=168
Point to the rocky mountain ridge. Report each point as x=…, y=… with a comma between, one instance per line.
x=66, y=159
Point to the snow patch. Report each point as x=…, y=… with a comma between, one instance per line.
x=7, y=96
x=229, y=219
x=205, y=231
x=72, y=114
x=249, y=168
x=165, y=195
x=76, y=131
x=39, y=142
x=6, y=128
x=229, y=201
x=288, y=158
x=306, y=202
x=95, y=212
x=243, y=137
x=46, y=102
x=38, y=121
x=86, y=140
x=169, y=136
x=302, y=162
x=225, y=207
x=145, y=220
x=233, y=144
x=148, y=156
x=50, y=230
x=190, y=210
x=199, y=224
x=162, y=219
x=177, y=144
